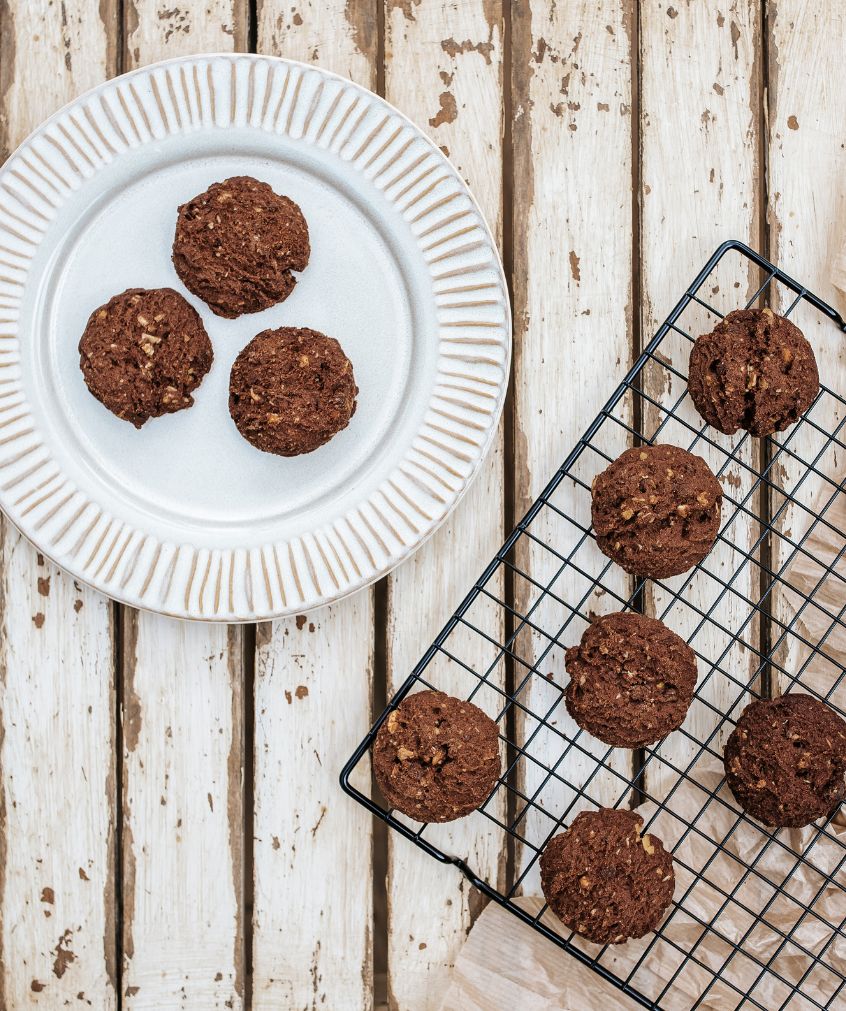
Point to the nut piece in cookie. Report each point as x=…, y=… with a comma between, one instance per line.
x=754, y=371
x=605, y=880
x=143, y=353
x=291, y=390
x=656, y=510
x=785, y=760
x=237, y=244
x=631, y=680
x=436, y=758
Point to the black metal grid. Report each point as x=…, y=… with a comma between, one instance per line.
x=741, y=614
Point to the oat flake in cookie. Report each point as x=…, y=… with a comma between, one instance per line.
x=605, y=880
x=237, y=244
x=786, y=760
x=755, y=371
x=143, y=353
x=656, y=510
x=436, y=758
x=631, y=680
x=291, y=390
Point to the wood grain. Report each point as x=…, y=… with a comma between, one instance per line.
x=711, y=194
x=573, y=315
x=183, y=922
x=807, y=224
x=444, y=69
x=56, y=666
x=313, y=687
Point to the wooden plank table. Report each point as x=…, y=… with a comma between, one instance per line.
x=171, y=831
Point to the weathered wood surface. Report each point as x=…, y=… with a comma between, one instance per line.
x=313, y=863
x=713, y=193
x=636, y=142
x=444, y=69
x=57, y=806
x=573, y=309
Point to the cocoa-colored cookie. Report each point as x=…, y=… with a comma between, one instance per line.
x=656, y=510
x=631, y=680
x=291, y=390
x=237, y=244
x=436, y=758
x=143, y=353
x=786, y=760
x=605, y=880
x=755, y=371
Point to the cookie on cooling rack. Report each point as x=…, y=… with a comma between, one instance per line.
x=631, y=680
x=754, y=371
x=436, y=758
x=237, y=245
x=656, y=510
x=605, y=880
x=291, y=390
x=785, y=760
x=143, y=354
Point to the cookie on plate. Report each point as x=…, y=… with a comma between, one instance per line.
x=436, y=758
x=237, y=245
x=605, y=880
x=143, y=353
x=631, y=680
x=656, y=510
x=785, y=760
x=291, y=390
x=754, y=371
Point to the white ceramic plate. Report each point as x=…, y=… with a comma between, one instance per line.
x=184, y=516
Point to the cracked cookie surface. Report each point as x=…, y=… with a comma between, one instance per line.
x=237, y=244
x=143, y=354
x=605, y=880
x=656, y=510
x=754, y=371
x=785, y=760
x=631, y=680
x=291, y=390
x=436, y=758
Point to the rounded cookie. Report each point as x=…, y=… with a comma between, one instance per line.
x=631, y=680
x=291, y=390
x=143, y=353
x=436, y=758
x=237, y=244
x=605, y=880
x=785, y=760
x=656, y=510
x=754, y=371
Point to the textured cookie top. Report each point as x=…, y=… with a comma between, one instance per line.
x=237, y=244
x=605, y=880
x=436, y=758
x=291, y=390
x=656, y=510
x=786, y=760
x=143, y=353
x=631, y=680
x=754, y=371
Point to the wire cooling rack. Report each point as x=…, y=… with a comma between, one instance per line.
x=758, y=916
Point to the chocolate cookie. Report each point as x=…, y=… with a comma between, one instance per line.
x=786, y=760
x=143, y=353
x=631, y=680
x=605, y=880
x=755, y=371
x=436, y=758
x=237, y=244
x=291, y=390
x=656, y=510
